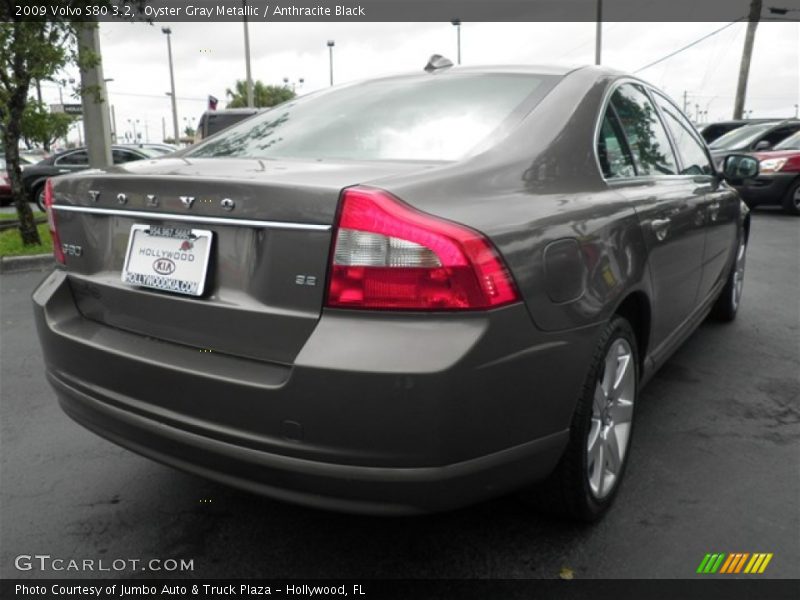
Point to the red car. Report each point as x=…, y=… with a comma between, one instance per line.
x=778, y=181
x=5, y=181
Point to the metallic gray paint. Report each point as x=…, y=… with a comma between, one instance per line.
x=400, y=412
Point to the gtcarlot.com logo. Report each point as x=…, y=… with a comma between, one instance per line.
x=46, y=562
x=736, y=562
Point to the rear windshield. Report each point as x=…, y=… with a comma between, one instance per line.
x=428, y=117
x=741, y=137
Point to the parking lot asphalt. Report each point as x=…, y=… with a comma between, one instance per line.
x=714, y=468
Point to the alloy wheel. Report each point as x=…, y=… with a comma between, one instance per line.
x=612, y=415
x=738, y=275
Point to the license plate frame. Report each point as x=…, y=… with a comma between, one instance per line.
x=191, y=252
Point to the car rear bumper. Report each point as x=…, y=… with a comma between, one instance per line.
x=766, y=189
x=387, y=431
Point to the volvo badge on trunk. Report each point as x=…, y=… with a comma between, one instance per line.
x=187, y=201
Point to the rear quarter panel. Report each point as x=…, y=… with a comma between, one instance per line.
x=540, y=186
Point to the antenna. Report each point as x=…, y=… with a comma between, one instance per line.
x=436, y=62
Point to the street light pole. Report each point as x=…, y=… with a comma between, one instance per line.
x=168, y=32
x=457, y=24
x=331, y=44
x=598, y=38
x=249, y=82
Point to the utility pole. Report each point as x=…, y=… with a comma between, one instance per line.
x=113, y=125
x=168, y=32
x=249, y=82
x=96, y=121
x=598, y=38
x=457, y=24
x=163, y=129
x=331, y=44
x=747, y=53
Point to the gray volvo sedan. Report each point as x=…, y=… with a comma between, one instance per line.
x=396, y=296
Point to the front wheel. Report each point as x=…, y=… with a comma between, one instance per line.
x=791, y=201
x=727, y=305
x=588, y=476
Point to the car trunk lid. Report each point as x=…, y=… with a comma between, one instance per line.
x=270, y=224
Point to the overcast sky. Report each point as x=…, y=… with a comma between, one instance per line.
x=209, y=58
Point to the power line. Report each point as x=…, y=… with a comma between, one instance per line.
x=115, y=93
x=694, y=43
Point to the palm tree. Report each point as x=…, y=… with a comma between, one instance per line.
x=263, y=95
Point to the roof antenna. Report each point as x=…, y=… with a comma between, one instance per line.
x=436, y=62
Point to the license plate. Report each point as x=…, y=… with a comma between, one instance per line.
x=167, y=258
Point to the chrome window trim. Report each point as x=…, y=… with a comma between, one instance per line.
x=141, y=214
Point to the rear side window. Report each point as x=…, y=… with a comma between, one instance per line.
x=646, y=136
x=81, y=157
x=612, y=149
x=122, y=156
x=780, y=134
x=693, y=155
x=424, y=117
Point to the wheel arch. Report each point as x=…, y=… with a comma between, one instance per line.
x=636, y=309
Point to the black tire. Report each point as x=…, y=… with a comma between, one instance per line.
x=567, y=491
x=791, y=200
x=730, y=298
x=38, y=197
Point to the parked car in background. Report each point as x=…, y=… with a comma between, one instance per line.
x=778, y=181
x=5, y=179
x=712, y=131
x=153, y=149
x=418, y=291
x=71, y=161
x=213, y=121
x=752, y=138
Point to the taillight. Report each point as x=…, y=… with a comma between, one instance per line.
x=388, y=255
x=51, y=222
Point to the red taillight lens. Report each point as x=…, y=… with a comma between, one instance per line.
x=51, y=222
x=388, y=255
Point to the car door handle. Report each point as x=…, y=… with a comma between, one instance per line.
x=64, y=171
x=659, y=227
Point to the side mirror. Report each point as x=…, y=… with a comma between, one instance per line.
x=739, y=166
x=762, y=145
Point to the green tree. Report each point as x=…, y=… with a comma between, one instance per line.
x=36, y=50
x=30, y=51
x=263, y=95
x=188, y=131
x=41, y=127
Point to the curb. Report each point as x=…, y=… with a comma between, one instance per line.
x=35, y=262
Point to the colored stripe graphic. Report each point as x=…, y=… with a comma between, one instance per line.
x=703, y=563
x=723, y=563
x=740, y=564
x=727, y=564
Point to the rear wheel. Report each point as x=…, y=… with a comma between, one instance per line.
x=791, y=201
x=588, y=476
x=727, y=305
